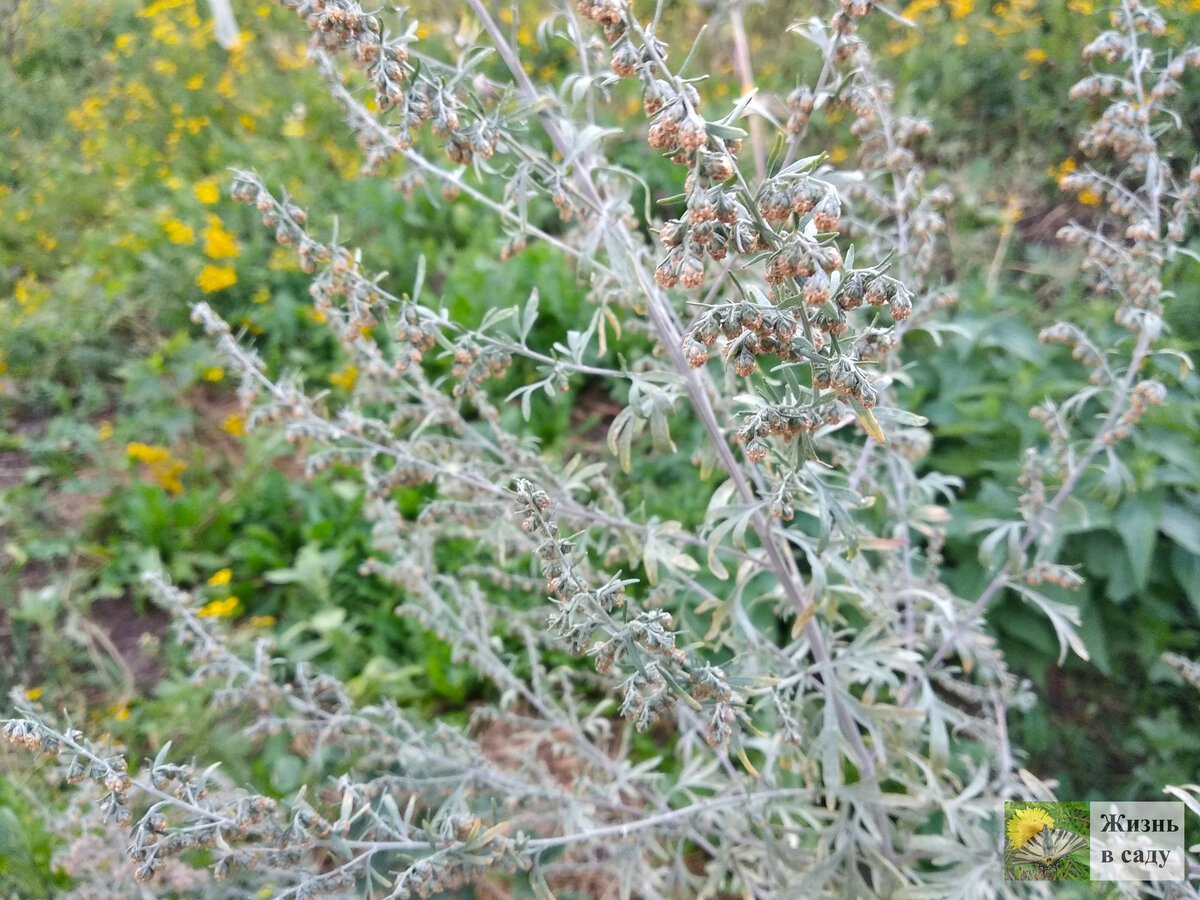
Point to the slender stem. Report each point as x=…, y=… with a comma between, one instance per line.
x=782, y=564
x=744, y=69
x=1041, y=521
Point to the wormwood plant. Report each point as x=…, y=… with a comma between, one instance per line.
x=829, y=716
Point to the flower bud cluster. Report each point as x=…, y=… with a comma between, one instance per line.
x=1033, y=484
x=1042, y=572
x=1147, y=208
x=474, y=364
x=343, y=295
x=892, y=182
x=1144, y=395
x=1047, y=415
x=413, y=95
x=641, y=643
x=83, y=762
x=1082, y=349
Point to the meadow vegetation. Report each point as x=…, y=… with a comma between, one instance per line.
x=368, y=418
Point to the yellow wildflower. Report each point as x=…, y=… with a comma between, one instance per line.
x=124, y=43
x=346, y=377
x=219, y=609
x=234, y=424
x=1088, y=197
x=219, y=243
x=1062, y=170
x=917, y=8
x=1036, y=55
x=214, y=373
x=178, y=232
x=34, y=693
x=207, y=191
x=293, y=125
x=216, y=278
x=164, y=468
x=220, y=577
x=163, y=67
x=1026, y=823
x=147, y=453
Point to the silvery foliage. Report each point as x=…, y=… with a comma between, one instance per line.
x=832, y=716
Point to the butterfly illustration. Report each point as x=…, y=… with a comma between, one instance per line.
x=1048, y=848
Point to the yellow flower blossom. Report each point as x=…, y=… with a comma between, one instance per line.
x=219, y=243
x=194, y=83
x=1088, y=197
x=34, y=693
x=164, y=67
x=1062, y=170
x=262, y=621
x=1036, y=55
x=917, y=8
x=220, y=577
x=219, y=609
x=178, y=232
x=147, y=453
x=216, y=278
x=119, y=711
x=346, y=377
x=1026, y=823
x=124, y=43
x=234, y=424
x=164, y=468
x=293, y=126
x=214, y=373
x=207, y=191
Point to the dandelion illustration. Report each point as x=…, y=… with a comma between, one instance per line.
x=1026, y=823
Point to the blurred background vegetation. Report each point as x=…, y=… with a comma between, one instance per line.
x=121, y=447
